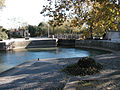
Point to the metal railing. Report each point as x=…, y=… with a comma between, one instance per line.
x=68, y=36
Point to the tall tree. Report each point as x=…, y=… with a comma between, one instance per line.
x=32, y=30
x=53, y=10
x=42, y=29
x=2, y=3
x=99, y=15
x=3, y=34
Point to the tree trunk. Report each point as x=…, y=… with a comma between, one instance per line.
x=23, y=33
x=91, y=32
x=53, y=30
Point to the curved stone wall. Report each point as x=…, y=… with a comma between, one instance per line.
x=98, y=44
x=65, y=42
x=94, y=44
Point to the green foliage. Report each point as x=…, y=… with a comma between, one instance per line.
x=58, y=17
x=42, y=29
x=3, y=34
x=16, y=36
x=2, y=3
x=38, y=31
x=63, y=29
x=85, y=66
x=99, y=15
x=32, y=30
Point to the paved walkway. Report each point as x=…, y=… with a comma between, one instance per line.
x=23, y=39
x=47, y=75
x=107, y=79
x=38, y=75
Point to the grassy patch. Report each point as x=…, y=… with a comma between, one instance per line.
x=85, y=66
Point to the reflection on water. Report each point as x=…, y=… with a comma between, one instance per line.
x=12, y=58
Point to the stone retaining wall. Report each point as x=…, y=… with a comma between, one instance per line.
x=95, y=44
x=34, y=44
x=98, y=44
x=68, y=43
x=28, y=44
x=2, y=46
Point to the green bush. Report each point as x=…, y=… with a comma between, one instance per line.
x=16, y=36
x=3, y=36
x=85, y=66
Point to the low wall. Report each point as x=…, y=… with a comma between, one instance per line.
x=98, y=44
x=63, y=42
x=95, y=44
x=28, y=44
x=34, y=44
x=2, y=46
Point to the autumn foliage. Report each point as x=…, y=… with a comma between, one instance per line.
x=99, y=15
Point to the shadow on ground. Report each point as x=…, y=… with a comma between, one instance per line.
x=39, y=75
x=108, y=79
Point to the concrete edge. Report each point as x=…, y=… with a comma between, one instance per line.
x=97, y=48
x=15, y=67
x=32, y=61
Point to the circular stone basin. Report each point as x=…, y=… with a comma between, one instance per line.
x=10, y=59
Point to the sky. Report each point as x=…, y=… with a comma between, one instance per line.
x=21, y=12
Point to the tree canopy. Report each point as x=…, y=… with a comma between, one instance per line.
x=99, y=15
x=2, y=3
x=3, y=34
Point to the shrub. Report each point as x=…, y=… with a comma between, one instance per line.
x=3, y=36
